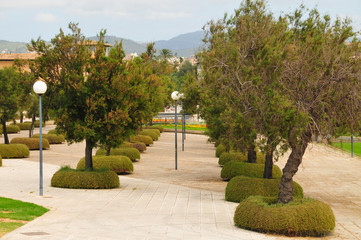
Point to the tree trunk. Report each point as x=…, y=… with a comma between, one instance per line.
x=6, y=138
x=146, y=126
x=151, y=122
x=88, y=154
x=252, y=154
x=298, y=147
x=268, y=165
x=31, y=130
x=107, y=148
x=21, y=117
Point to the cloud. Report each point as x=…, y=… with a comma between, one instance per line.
x=31, y=4
x=155, y=15
x=46, y=17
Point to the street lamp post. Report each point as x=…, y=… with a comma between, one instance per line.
x=175, y=96
x=40, y=88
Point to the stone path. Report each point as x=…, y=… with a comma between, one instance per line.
x=157, y=202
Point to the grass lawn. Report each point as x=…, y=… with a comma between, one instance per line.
x=14, y=214
x=347, y=147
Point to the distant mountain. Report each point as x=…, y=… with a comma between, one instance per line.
x=13, y=47
x=183, y=45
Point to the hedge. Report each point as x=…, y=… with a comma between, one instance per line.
x=142, y=138
x=234, y=168
x=220, y=149
x=240, y=188
x=151, y=134
x=301, y=217
x=157, y=131
x=83, y=179
x=231, y=156
x=1, y=161
x=14, y=151
x=160, y=128
x=24, y=126
x=131, y=153
x=36, y=123
x=32, y=143
x=138, y=145
x=118, y=164
x=52, y=138
x=10, y=129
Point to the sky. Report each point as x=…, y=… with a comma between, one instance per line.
x=139, y=20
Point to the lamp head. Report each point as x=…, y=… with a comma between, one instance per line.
x=175, y=95
x=39, y=87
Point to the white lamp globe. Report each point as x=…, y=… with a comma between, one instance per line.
x=175, y=95
x=40, y=87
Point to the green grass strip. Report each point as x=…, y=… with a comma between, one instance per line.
x=347, y=147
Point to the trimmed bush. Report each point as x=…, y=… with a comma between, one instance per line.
x=255, y=170
x=36, y=123
x=160, y=128
x=1, y=161
x=24, y=126
x=10, y=129
x=52, y=138
x=138, y=145
x=220, y=149
x=141, y=138
x=80, y=179
x=32, y=143
x=131, y=153
x=14, y=151
x=149, y=133
x=118, y=164
x=157, y=131
x=301, y=217
x=240, y=188
x=231, y=156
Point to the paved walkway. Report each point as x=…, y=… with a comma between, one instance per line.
x=157, y=202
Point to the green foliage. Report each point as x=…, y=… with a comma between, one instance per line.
x=132, y=153
x=231, y=156
x=52, y=138
x=155, y=130
x=160, y=128
x=118, y=164
x=80, y=179
x=142, y=138
x=11, y=129
x=1, y=161
x=14, y=151
x=254, y=170
x=138, y=145
x=302, y=217
x=240, y=188
x=32, y=143
x=149, y=133
x=220, y=149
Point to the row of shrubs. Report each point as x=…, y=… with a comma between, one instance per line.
x=258, y=209
x=120, y=161
x=15, y=128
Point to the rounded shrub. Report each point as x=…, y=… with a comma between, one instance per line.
x=36, y=123
x=255, y=170
x=157, y=131
x=10, y=129
x=231, y=156
x=83, y=179
x=24, y=126
x=14, y=151
x=32, y=143
x=138, y=145
x=142, y=138
x=240, y=188
x=118, y=164
x=151, y=134
x=131, y=153
x=160, y=128
x=301, y=217
x=52, y=138
x=220, y=149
